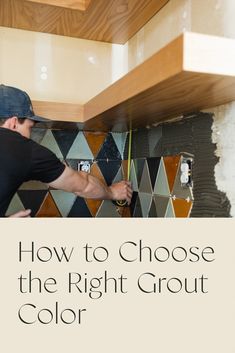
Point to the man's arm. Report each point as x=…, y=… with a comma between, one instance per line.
x=87, y=186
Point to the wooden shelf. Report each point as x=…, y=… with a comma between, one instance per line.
x=192, y=73
x=102, y=20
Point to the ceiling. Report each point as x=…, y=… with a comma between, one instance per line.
x=113, y=21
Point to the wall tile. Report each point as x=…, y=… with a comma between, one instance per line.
x=64, y=139
x=95, y=141
x=32, y=199
x=161, y=186
x=161, y=204
x=50, y=142
x=79, y=209
x=108, y=209
x=64, y=201
x=182, y=208
x=80, y=148
x=48, y=208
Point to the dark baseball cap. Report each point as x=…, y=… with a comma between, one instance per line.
x=14, y=102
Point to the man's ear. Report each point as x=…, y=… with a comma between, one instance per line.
x=12, y=123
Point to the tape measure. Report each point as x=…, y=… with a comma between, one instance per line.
x=123, y=203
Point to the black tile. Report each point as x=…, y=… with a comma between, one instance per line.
x=79, y=209
x=133, y=202
x=153, y=165
x=64, y=139
x=32, y=199
x=109, y=170
x=152, y=211
x=139, y=166
x=137, y=211
x=109, y=149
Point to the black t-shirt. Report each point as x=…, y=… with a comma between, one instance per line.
x=21, y=160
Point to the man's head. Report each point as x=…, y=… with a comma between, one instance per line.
x=16, y=111
x=22, y=126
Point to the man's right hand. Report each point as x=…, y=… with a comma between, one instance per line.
x=122, y=191
x=21, y=214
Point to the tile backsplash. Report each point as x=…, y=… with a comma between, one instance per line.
x=155, y=172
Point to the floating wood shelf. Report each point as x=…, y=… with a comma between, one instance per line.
x=192, y=73
x=103, y=20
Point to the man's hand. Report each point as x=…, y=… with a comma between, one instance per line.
x=122, y=191
x=21, y=214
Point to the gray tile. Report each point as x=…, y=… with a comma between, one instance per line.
x=33, y=185
x=133, y=177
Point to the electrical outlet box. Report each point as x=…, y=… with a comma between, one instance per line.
x=84, y=166
x=186, y=172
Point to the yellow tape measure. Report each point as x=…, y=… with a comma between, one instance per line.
x=122, y=203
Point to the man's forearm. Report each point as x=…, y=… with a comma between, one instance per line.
x=95, y=189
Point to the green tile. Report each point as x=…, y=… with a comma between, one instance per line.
x=133, y=177
x=161, y=186
x=50, y=142
x=145, y=182
x=64, y=201
x=108, y=209
x=33, y=185
x=120, y=140
x=145, y=201
x=15, y=206
x=80, y=148
x=170, y=210
x=161, y=203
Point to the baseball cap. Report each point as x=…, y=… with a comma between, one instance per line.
x=14, y=102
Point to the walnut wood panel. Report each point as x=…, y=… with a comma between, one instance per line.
x=80, y=5
x=113, y=21
x=192, y=73
x=59, y=111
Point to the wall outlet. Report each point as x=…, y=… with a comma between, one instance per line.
x=186, y=172
x=84, y=166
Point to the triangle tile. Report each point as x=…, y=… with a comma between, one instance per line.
x=80, y=148
x=145, y=201
x=64, y=139
x=182, y=208
x=118, y=176
x=153, y=166
x=109, y=170
x=50, y=142
x=139, y=166
x=161, y=185
x=79, y=209
x=109, y=149
x=170, y=210
x=133, y=202
x=171, y=166
x=152, y=210
x=145, y=182
x=133, y=177
x=48, y=208
x=137, y=210
x=161, y=204
x=95, y=171
x=124, y=169
x=33, y=185
x=108, y=209
x=120, y=140
x=64, y=201
x=37, y=134
x=125, y=212
x=32, y=199
x=15, y=205
x=93, y=206
x=95, y=141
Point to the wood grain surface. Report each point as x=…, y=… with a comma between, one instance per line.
x=114, y=21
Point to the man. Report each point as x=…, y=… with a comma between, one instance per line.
x=22, y=159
